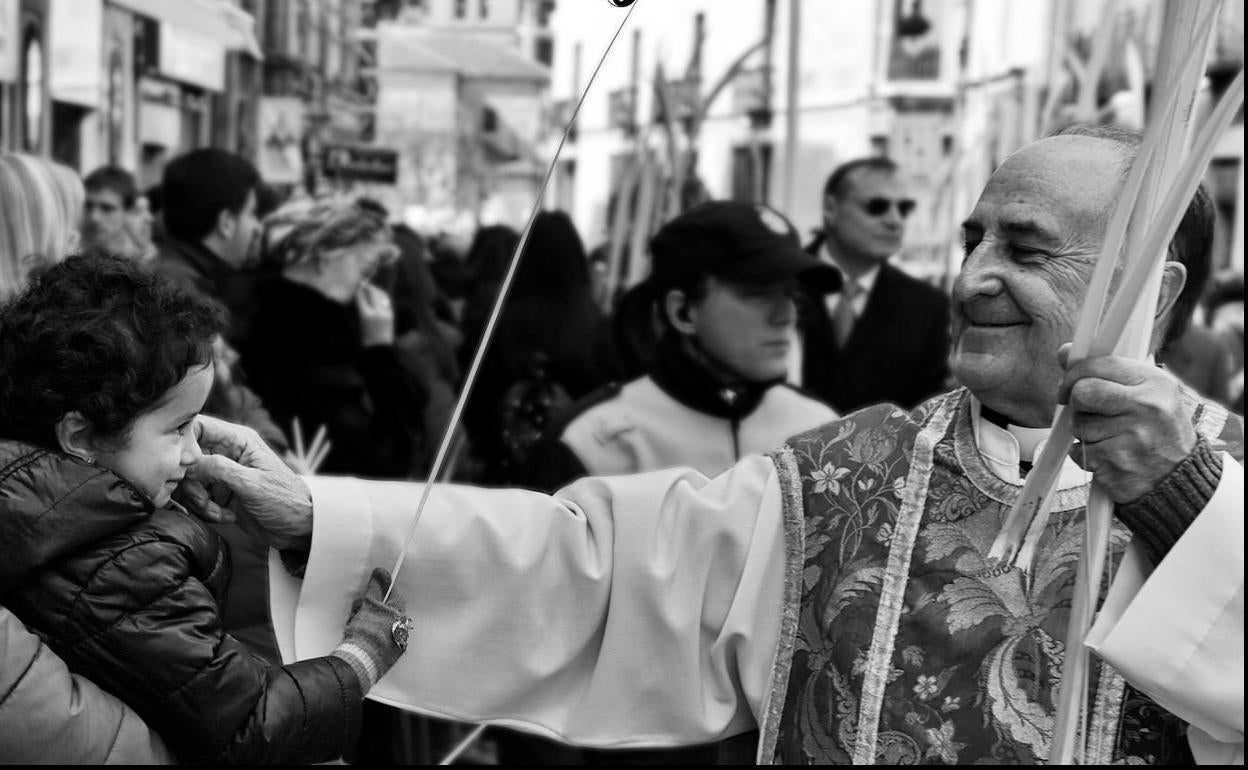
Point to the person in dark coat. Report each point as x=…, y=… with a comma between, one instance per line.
x=322, y=344
x=104, y=367
x=547, y=331
x=884, y=337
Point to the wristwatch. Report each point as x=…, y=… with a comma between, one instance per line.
x=399, y=632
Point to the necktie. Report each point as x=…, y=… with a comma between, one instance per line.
x=845, y=313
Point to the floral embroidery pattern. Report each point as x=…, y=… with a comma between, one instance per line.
x=985, y=691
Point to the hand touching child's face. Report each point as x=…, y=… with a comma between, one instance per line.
x=160, y=443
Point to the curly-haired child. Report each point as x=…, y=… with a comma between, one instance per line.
x=103, y=369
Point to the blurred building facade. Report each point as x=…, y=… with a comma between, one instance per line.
x=947, y=88
x=472, y=95
x=460, y=91
x=135, y=82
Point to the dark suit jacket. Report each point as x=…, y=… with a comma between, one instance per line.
x=897, y=352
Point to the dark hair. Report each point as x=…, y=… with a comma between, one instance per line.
x=553, y=263
x=268, y=199
x=116, y=179
x=1192, y=244
x=198, y=186
x=100, y=335
x=490, y=253
x=1226, y=287
x=155, y=198
x=416, y=298
x=838, y=180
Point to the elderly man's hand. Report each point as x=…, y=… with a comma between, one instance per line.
x=1131, y=422
x=240, y=478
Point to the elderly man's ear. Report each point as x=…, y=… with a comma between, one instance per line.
x=1173, y=279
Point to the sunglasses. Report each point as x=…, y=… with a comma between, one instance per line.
x=878, y=207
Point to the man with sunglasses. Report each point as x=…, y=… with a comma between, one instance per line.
x=884, y=337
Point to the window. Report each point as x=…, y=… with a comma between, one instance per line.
x=483, y=9
x=461, y=8
x=544, y=51
x=544, y=9
x=751, y=172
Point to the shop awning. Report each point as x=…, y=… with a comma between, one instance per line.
x=221, y=21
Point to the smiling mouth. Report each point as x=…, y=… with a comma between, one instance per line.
x=985, y=318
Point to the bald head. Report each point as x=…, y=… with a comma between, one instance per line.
x=1087, y=170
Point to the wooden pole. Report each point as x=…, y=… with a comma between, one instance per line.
x=791, y=92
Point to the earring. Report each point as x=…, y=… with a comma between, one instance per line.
x=90, y=460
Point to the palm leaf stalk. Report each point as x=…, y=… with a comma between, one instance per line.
x=1163, y=178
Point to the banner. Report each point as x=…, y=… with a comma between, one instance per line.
x=361, y=164
x=280, y=158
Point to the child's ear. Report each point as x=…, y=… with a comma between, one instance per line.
x=73, y=433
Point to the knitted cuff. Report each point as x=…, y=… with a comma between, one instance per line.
x=1159, y=518
x=361, y=663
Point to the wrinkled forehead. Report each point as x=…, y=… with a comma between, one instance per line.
x=1068, y=182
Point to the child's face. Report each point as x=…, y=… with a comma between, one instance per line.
x=161, y=443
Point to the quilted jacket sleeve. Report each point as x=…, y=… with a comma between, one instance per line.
x=139, y=617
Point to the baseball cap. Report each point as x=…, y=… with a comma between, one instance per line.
x=749, y=243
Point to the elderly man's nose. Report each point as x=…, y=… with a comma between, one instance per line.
x=979, y=275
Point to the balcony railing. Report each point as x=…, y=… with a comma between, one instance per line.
x=622, y=109
x=683, y=97
x=751, y=94
x=558, y=115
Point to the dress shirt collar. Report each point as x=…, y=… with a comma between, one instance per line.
x=865, y=281
x=1004, y=448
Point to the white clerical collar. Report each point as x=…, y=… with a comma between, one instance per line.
x=1004, y=448
x=865, y=281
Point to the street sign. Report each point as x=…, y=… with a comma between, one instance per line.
x=361, y=164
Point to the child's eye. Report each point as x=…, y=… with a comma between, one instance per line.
x=182, y=428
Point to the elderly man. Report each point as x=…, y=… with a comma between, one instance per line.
x=836, y=594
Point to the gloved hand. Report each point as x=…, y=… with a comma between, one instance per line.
x=376, y=634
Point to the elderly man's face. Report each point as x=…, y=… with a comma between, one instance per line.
x=1031, y=245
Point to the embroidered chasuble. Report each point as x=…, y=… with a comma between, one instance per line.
x=899, y=643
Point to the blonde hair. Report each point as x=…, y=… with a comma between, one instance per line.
x=326, y=224
x=40, y=206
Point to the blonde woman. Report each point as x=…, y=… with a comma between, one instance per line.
x=47, y=714
x=40, y=204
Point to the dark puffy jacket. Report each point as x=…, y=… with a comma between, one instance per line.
x=127, y=596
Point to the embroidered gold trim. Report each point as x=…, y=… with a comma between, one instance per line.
x=1106, y=716
x=896, y=575
x=790, y=479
